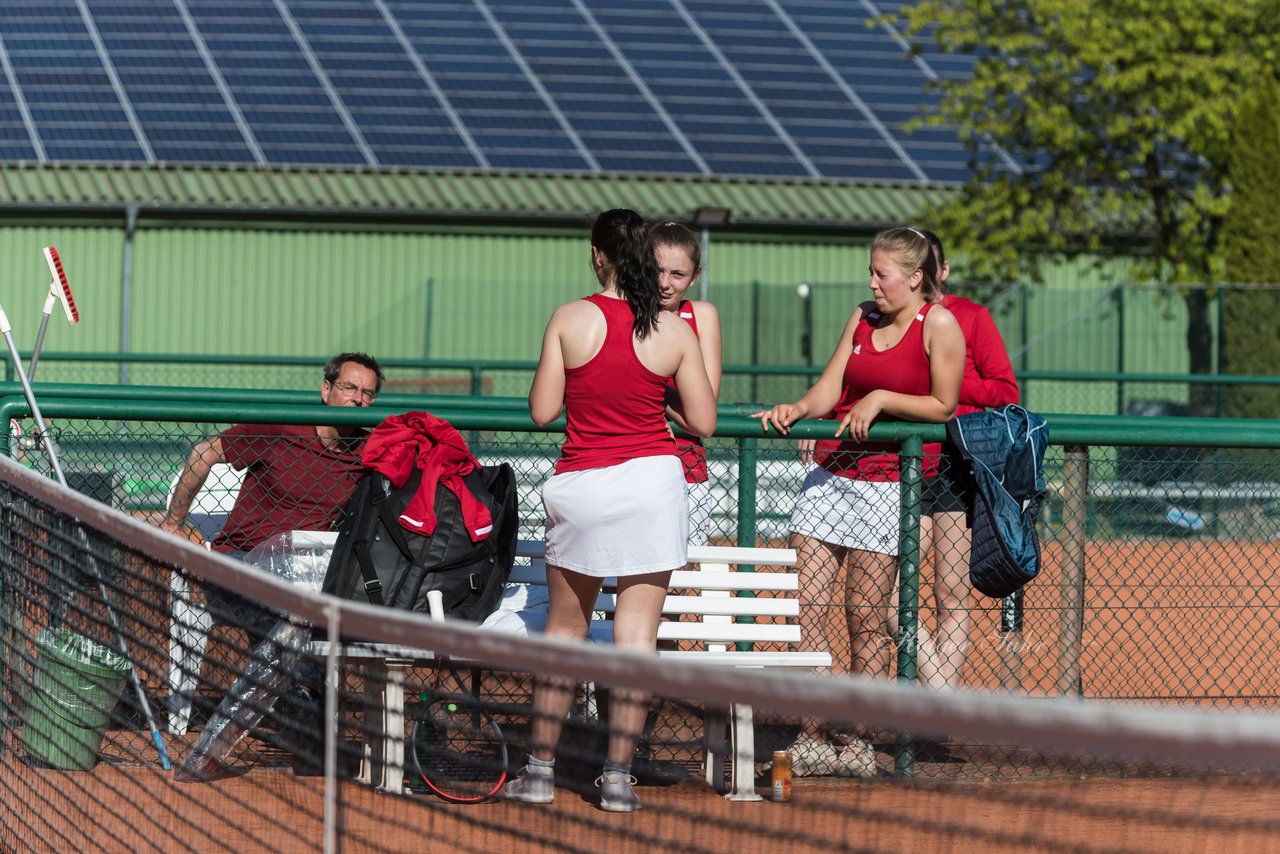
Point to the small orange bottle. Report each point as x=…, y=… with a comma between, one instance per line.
x=781, y=775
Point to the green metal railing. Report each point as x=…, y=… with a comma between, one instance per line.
x=751, y=382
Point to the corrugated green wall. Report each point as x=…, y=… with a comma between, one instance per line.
x=416, y=294
x=486, y=292
x=91, y=257
x=395, y=295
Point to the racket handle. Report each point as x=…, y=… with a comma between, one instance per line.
x=435, y=603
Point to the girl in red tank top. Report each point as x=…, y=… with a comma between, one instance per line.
x=904, y=369
x=614, y=405
x=616, y=504
x=944, y=529
x=679, y=257
x=899, y=358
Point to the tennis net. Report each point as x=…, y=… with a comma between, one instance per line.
x=102, y=616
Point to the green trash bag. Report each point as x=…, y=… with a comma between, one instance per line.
x=75, y=688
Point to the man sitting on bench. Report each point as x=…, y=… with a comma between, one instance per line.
x=297, y=477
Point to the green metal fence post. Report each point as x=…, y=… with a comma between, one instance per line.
x=1024, y=320
x=428, y=295
x=1117, y=295
x=755, y=338
x=1219, y=355
x=1075, y=502
x=907, y=641
x=748, y=460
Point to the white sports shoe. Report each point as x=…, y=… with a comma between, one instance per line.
x=616, y=794
x=534, y=785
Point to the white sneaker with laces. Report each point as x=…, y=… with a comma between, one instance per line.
x=616, y=794
x=534, y=785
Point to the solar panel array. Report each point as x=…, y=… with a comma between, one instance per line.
x=776, y=88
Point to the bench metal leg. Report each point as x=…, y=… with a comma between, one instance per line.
x=383, y=752
x=743, y=772
x=739, y=726
x=373, y=679
x=716, y=747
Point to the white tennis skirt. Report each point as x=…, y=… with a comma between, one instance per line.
x=627, y=519
x=856, y=514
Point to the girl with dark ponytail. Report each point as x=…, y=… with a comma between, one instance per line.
x=622, y=236
x=616, y=505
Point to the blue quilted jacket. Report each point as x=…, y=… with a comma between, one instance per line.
x=1005, y=450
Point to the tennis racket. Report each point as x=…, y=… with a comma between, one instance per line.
x=458, y=749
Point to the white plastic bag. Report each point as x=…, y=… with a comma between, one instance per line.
x=299, y=557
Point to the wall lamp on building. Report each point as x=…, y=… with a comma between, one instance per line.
x=707, y=218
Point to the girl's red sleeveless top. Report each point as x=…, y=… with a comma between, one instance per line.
x=614, y=407
x=903, y=368
x=693, y=456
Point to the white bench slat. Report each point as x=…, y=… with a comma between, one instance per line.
x=746, y=606
x=738, y=606
x=744, y=555
x=751, y=658
x=366, y=649
x=697, y=554
x=729, y=632
x=785, y=582
x=731, y=658
x=711, y=580
x=707, y=607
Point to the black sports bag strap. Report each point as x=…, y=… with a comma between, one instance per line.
x=372, y=584
x=392, y=524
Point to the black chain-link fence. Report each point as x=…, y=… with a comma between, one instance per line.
x=1159, y=580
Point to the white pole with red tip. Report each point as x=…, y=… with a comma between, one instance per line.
x=50, y=448
x=59, y=291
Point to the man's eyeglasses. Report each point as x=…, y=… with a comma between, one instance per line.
x=351, y=388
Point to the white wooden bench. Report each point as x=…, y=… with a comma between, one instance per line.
x=725, y=618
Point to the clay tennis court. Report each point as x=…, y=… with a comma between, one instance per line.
x=1190, y=621
x=1164, y=621
x=135, y=809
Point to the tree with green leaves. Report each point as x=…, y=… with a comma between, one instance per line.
x=1099, y=129
x=1251, y=253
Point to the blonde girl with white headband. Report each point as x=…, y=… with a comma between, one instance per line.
x=900, y=357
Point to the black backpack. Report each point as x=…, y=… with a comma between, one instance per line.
x=377, y=560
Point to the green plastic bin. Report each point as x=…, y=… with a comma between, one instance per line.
x=76, y=686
